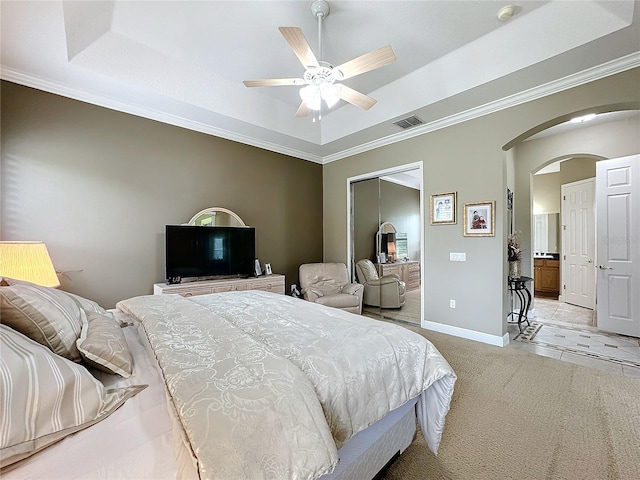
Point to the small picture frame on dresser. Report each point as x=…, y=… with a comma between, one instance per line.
x=258, y=268
x=267, y=269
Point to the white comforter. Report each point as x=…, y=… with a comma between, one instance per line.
x=268, y=386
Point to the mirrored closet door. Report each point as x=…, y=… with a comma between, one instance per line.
x=386, y=244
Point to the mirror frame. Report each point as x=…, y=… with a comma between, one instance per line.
x=385, y=227
x=212, y=210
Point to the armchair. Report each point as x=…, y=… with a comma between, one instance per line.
x=384, y=292
x=328, y=284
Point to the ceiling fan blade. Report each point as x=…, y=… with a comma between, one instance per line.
x=365, y=63
x=273, y=82
x=303, y=110
x=356, y=98
x=300, y=46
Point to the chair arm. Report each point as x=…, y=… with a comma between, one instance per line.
x=312, y=294
x=387, y=279
x=352, y=288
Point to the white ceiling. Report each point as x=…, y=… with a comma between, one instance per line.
x=183, y=62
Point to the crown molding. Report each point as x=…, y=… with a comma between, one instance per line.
x=56, y=88
x=589, y=75
x=592, y=74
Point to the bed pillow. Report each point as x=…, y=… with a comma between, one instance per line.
x=82, y=302
x=46, y=397
x=102, y=345
x=48, y=316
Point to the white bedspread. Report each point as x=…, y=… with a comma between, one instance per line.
x=268, y=386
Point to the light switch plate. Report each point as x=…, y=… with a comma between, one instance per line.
x=457, y=257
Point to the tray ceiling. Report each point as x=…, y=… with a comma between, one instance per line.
x=183, y=62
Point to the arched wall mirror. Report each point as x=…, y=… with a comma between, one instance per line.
x=386, y=242
x=216, y=217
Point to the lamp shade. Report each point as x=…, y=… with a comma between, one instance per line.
x=28, y=261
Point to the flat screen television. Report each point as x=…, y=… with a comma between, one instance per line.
x=196, y=251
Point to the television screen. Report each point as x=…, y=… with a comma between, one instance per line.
x=196, y=251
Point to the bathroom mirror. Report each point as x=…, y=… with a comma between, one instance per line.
x=216, y=217
x=546, y=233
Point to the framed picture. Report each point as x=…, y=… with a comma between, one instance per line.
x=479, y=219
x=442, y=209
x=258, y=268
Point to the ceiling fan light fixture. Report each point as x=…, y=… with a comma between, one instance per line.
x=311, y=96
x=320, y=76
x=330, y=94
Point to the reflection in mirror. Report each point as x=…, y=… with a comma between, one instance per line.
x=216, y=217
x=387, y=227
x=386, y=243
x=546, y=238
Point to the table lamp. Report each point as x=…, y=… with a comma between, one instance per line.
x=28, y=261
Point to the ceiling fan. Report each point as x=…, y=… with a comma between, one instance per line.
x=321, y=80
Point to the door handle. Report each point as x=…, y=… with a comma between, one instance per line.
x=602, y=267
x=589, y=261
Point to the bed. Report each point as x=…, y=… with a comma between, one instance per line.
x=247, y=385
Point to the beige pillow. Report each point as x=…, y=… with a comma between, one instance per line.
x=83, y=303
x=45, y=397
x=103, y=345
x=48, y=316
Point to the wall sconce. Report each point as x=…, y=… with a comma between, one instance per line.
x=27, y=261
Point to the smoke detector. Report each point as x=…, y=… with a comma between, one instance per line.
x=506, y=12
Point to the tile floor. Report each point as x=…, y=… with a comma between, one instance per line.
x=568, y=334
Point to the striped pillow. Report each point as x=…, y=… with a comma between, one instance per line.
x=44, y=397
x=103, y=345
x=48, y=316
x=84, y=303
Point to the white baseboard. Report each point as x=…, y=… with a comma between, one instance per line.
x=465, y=333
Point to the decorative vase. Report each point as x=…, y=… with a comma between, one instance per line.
x=514, y=269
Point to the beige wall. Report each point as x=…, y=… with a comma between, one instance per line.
x=546, y=187
x=98, y=186
x=576, y=169
x=546, y=193
x=400, y=205
x=366, y=218
x=469, y=158
x=376, y=201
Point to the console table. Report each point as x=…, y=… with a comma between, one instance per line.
x=270, y=283
x=518, y=287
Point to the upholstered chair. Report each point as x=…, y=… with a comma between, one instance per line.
x=384, y=292
x=328, y=284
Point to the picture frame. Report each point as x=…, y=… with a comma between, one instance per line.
x=480, y=219
x=267, y=269
x=258, y=268
x=442, y=208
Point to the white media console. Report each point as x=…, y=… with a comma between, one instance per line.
x=270, y=283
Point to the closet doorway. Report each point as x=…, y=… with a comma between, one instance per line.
x=385, y=240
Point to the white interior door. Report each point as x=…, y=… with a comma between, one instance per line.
x=618, y=209
x=578, y=243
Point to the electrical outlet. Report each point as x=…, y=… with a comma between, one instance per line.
x=452, y=304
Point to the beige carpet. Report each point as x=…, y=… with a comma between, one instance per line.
x=521, y=416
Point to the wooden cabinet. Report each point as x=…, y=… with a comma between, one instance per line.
x=546, y=277
x=270, y=283
x=409, y=272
